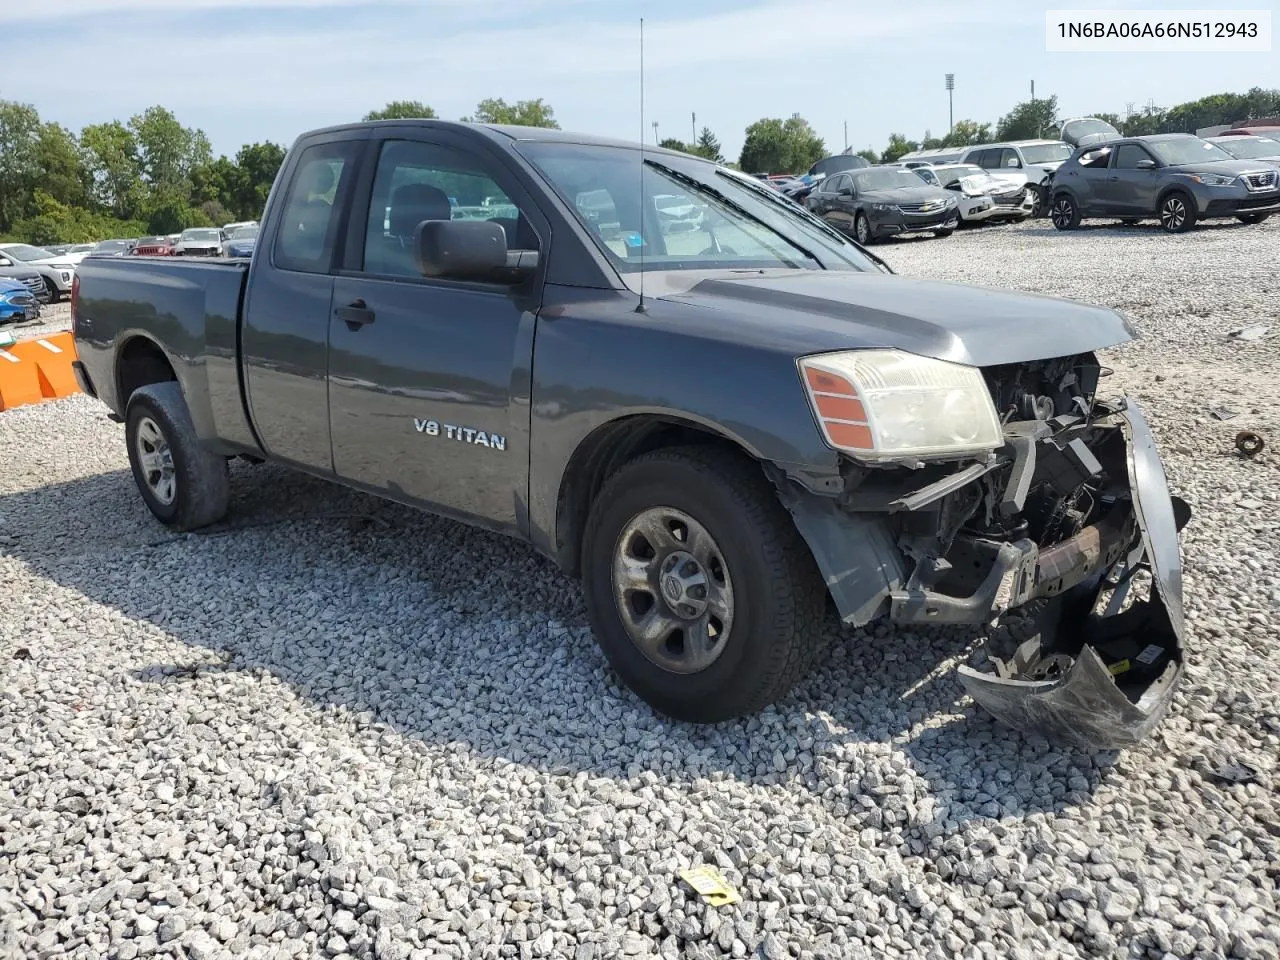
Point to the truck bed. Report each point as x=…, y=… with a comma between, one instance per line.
x=191, y=306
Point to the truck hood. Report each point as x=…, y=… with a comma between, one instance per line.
x=814, y=311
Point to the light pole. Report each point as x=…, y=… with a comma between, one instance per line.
x=693, y=129
x=951, y=112
x=655, y=132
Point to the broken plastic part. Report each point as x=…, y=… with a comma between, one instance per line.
x=1057, y=684
x=710, y=884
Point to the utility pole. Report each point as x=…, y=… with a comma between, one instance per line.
x=655, y=131
x=693, y=130
x=846, y=136
x=951, y=110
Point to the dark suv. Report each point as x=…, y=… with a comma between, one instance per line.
x=1175, y=177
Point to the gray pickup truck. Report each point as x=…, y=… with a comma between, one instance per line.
x=717, y=428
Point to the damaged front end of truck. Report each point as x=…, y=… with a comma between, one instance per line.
x=1060, y=537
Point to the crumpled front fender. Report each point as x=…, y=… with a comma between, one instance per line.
x=1057, y=683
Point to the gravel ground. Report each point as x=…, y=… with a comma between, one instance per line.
x=334, y=727
x=53, y=318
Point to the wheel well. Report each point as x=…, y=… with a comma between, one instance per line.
x=1164, y=195
x=602, y=454
x=140, y=363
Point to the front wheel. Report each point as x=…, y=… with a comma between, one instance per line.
x=1177, y=214
x=1252, y=217
x=1065, y=213
x=52, y=289
x=182, y=484
x=862, y=229
x=1037, y=201
x=701, y=592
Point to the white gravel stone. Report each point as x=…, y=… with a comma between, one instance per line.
x=336, y=727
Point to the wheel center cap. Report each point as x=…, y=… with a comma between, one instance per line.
x=671, y=587
x=683, y=583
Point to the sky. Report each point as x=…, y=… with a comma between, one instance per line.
x=251, y=70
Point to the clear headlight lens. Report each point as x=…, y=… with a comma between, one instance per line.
x=887, y=404
x=1213, y=179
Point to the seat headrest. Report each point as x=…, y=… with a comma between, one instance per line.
x=415, y=202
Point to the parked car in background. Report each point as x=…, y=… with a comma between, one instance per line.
x=1175, y=177
x=240, y=241
x=153, y=247
x=880, y=202
x=27, y=276
x=57, y=249
x=58, y=273
x=1263, y=149
x=230, y=228
x=77, y=252
x=1260, y=130
x=980, y=195
x=1035, y=160
x=915, y=158
x=837, y=164
x=112, y=248
x=17, y=302
x=200, y=242
x=677, y=214
x=1083, y=131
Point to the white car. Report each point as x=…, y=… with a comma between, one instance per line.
x=981, y=195
x=58, y=272
x=230, y=228
x=200, y=242
x=77, y=252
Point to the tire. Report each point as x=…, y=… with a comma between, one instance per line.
x=1038, y=206
x=1177, y=212
x=157, y=423
x=52, y=288
x=1065, y=214
x=776, y=595
x=1252, y=217
x=862, y=230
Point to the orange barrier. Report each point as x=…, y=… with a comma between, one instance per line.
x=37, y=369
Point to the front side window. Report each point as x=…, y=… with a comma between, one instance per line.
x=308, y=230
x=1128, y=155
x=1047, y=153
x=678, y=213
x=418, y=181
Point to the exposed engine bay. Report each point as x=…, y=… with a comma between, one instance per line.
x=1050, y=542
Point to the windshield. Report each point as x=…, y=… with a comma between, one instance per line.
x=81, y=248
x=153, y=241
x=244, y=233
x=696, y=216
x=1242, y=148
x=1083, y=128
x=24, y=251
x=888, y=179
x=838, y=164
x=199, y=234
x=1046, y=152
x=1190, y=150
x=112, y=245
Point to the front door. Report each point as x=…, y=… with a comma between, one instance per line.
x=428, y=378
x=1127, y=189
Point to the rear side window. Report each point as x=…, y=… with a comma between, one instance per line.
x=308, y=232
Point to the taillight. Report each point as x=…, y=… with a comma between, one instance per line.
x=75, y=293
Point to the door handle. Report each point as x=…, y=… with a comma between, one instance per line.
x=355, y=314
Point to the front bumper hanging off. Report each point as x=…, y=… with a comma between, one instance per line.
x=1062, y=662
x=1057, y=684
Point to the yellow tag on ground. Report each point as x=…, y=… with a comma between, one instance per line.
x=1119, y=667
x=711, y=885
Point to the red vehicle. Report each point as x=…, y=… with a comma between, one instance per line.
x=153, y=247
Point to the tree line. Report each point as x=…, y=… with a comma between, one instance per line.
x=152, y=175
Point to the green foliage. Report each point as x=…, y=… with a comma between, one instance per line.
x=869, y=155
x=110, y=153
x=402, y=110
x=19, y=132
x=522, y=113
x=55, y=222
x=708, y=146
x=781, y=146
x=966, y=133
x=898, y=145
x=671, y=143
x=1030, y=120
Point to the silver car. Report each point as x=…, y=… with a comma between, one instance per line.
x=1036, y=160
x=58, y=272
x=200, y=242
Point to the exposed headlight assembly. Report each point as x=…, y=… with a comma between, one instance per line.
x=891, y=405
x=1212, y=179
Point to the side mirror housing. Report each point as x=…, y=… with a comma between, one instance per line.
x=470, y=250
x=1145, y=164
x=846, y=191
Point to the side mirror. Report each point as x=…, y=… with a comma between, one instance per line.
x=470, y=250
x=1145, y=164
x=846, y=191
x=5, y=262
x=1013, y=162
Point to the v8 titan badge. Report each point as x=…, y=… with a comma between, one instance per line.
x=450, y=431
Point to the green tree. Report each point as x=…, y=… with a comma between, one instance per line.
x=522, y=113
x=898, y=145
x=1029, y=120
x=967, y=132
x=110, y=154
x=259, y=163
x=671, y=143
x=216, y=182
x=868, y=154
x=708, y=146
x=168, y=151
x=781, y=146
x=19, y=136
x=402, y=110
x=930, y=142
x=59, y=169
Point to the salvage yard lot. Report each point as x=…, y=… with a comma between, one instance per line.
x=334, y=726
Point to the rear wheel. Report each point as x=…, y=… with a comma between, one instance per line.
x=862, y=229
x=182, y=484
x=1252, y=217
x=701, y=593
x=1065, y=213
x=1177, y=213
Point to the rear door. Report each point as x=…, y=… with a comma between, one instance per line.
x=284, y=338
x=429, y=378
